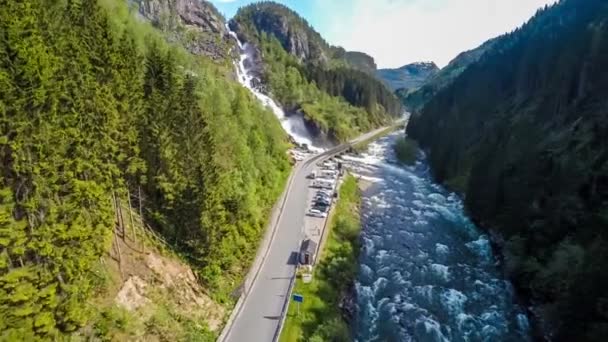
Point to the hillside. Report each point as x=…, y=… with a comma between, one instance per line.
x=522, y=132
x=408, y=77
x=102, y=113
x=332, y=88
x=415, y=99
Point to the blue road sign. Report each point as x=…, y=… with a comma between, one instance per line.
x=298, y=298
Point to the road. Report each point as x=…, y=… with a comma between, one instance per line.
x=260, y=314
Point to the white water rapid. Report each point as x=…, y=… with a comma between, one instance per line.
x=294, y=125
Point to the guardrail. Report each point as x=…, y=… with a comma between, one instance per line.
x=277, y=333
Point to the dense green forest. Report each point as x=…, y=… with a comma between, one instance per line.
x=92, y=106
x=522, y=132
x=356, y=87
x=332, y=87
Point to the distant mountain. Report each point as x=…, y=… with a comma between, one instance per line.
x=522, y=131
x=295, y=34
x=415, y=99
x=408, y=76
x=335, y=90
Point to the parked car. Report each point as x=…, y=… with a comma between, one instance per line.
x=324, y=201
x=320, y=208
x=328, y=174
x=316, y=213
x=323, y=193
x=325, y=183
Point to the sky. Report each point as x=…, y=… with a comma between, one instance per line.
x=398, y=32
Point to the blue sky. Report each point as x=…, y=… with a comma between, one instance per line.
x=397, y=32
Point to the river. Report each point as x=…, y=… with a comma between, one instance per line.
x=426, y=272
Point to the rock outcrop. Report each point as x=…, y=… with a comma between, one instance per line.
x=293, y=32
x=196, y=24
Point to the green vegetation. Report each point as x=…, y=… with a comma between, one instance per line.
x=321, y=318
x=306, y=74
x=332, y=115
x=93, y=104
x=406, y=150
x=523, y=133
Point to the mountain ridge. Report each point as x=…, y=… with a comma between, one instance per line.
x=333, y=89
x=409, y=76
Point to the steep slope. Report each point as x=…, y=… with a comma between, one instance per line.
x=415, y=99
x=408, y=77
x=197, y=25
x=523, y=133
x=332, y=88
x=97, y=113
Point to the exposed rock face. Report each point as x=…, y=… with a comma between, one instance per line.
x=294, y=34
x=195, y=23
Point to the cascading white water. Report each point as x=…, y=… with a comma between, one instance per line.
x=293, y=125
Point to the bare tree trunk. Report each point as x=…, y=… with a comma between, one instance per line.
x=141, y=217
x=10, y=261
x=120, y=218
x=131, y=217
x=117, y=243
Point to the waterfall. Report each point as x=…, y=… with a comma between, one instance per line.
x=293, y=125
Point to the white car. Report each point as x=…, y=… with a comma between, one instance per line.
x=323, y=184
x=316, y=213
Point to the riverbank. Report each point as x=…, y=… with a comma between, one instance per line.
x=323, y=314
x=362, y=146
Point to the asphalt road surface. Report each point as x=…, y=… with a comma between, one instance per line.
x=260, y=314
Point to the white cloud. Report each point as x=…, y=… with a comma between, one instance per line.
x=397, y=32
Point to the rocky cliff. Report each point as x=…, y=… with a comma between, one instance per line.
x=196, y=24
x=293, y=32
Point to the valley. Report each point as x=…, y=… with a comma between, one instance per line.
x=160, y=160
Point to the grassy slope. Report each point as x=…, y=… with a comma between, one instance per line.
x=320, y=317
